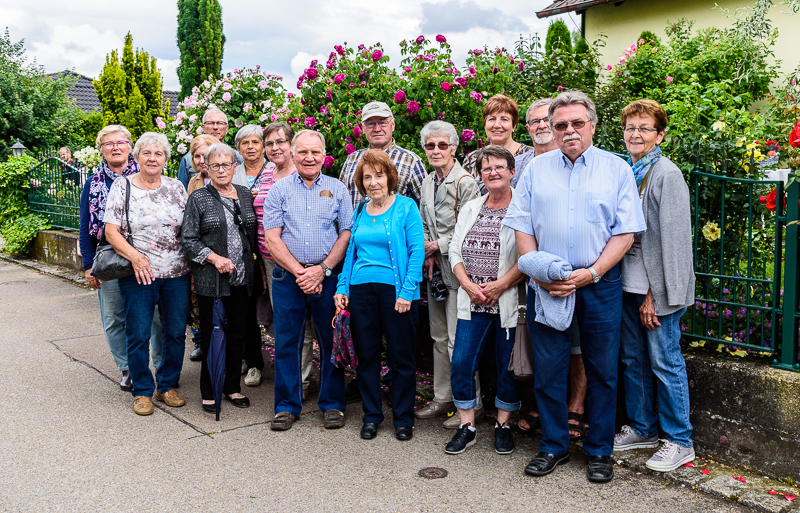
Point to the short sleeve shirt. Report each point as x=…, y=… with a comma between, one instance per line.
x=156, y=217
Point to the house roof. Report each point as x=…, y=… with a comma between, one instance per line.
x=86, y=98
x=565, y=6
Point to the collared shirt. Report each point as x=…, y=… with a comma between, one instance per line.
x=573, y=210
x=410, y=172
x=307, y=215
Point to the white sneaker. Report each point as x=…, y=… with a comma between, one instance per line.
x=627, y=439
x=253, y=378
x=669, y=457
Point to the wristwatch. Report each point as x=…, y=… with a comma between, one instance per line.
x=325, y=268
x=595, y=276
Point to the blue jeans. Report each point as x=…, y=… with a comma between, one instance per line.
x=372, y=314
x=289, y=310
x=645, y=353
x=471, y=339
x=171, y=295
x=598, y=310
x=112, y=315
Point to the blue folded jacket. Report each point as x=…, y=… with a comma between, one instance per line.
x=552, y=311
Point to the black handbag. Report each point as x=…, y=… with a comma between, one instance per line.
x=108, y=264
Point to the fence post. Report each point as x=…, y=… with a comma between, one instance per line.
x=791, y=288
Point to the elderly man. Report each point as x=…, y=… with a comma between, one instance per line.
x=579, y=207
x=537, y=122
x=301, y=215
x=215, y=122
x=377, y=122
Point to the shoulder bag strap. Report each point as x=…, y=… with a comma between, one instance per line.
x=457, y=184
x=128, y=209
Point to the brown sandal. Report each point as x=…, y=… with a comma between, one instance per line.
x=581, y=427
x=533, y=422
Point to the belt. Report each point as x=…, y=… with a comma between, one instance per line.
x=310, y=265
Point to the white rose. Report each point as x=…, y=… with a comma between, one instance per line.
x=182, y=148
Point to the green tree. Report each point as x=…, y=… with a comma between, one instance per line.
x=130, y=90
x=650, y=38
x=201, y=42
x=558, y=38
x=34, y=107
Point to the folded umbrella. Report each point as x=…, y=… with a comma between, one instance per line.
x=216, y=349
x=344, y=352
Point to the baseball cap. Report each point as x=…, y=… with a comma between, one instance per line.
x=375, y=109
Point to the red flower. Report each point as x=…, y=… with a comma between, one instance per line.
x=794, y=137
x=762, y=199
x=705, y=471
x=772, y=200
x=790, y=497
x=772, y=492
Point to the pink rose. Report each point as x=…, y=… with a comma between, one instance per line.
x=339, y=49
x=460, y=81
x=476, y=96
x=338, y=78
x=312, y=73
x=407, y=69
x=226, y=97
x=420, y=40
x=273, y=117
x=400, y=97
x=328, y=162
x=560, y=88
x=441, y=39
x=446, y=86
x=160, y=123
x=227, y=86
x=669, y=79
x=376, y=55
x=349, y=149
x=413, y=107
x=467, y=135
x=310, y=122
x=356, y=131
x=329, y=95
x=429, y=57
x=608, y=67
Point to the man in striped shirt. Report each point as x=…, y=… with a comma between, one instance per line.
x=377, y=124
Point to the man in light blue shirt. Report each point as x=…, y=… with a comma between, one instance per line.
x=579, y=203
x=307, y=221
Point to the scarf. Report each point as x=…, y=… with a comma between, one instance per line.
x=641, y=168
x=98, y=193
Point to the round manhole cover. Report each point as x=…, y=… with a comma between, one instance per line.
x=13, y=282
x=433, y=473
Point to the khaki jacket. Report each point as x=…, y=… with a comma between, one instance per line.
x=439, y=214
x=195, y=182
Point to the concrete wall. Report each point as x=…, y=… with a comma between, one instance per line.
x=57, y=247
x=623, y=24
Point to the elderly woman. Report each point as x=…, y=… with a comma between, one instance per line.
x=500, y=117
x=114, y=144
x=250, y=144
x=197, y=149
x=161, y=271
x=484, y=258
x=219, y=237
x=379, y=284
x=444, y=193
x=658, y=284
x=278, y=145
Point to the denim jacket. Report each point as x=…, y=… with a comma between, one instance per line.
x=407, y=249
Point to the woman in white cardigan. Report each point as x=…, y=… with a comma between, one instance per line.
x=483, y=255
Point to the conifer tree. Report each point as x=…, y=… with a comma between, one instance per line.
x=558, y=37
x=201, y=42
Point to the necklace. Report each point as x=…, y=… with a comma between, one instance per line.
x=144, y=184
x=229, y=193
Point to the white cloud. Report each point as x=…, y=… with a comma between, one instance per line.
x=301, y=61
x=75, y=47
x=169, y=73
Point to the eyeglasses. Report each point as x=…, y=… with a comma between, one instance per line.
x=442, y=146
x=112, y=144
x=577, y=125
x=490, y=170
x=215, y=123
x=370, y=125
x=217, y=167
x=534, y=121
x=641, y=129
x=279, y=142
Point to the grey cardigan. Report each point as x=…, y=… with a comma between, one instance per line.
x=667, y=243
x=204, y=226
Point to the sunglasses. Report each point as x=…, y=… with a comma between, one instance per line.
x=577, y=125
x=237, y=214
x=442, y=146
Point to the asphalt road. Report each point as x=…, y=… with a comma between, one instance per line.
x=71, y=442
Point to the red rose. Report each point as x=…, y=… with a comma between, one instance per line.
x=772, y=200
x=794, y=137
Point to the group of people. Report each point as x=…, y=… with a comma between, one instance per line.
x=594, y=249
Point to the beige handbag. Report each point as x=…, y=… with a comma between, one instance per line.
x=521, y=364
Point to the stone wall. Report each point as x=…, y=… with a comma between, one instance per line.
x=57, y=247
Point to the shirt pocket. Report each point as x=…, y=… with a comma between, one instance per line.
x=599, y=208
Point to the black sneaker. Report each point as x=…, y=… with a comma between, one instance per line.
x=503, y=441
x=463, y=438
x=197, y=353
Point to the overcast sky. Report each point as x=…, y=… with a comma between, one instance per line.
x=282, y=37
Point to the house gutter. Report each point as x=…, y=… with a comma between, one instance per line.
x=575, y=7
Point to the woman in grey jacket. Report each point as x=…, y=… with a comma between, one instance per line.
x=658, y=284
x=219, y=237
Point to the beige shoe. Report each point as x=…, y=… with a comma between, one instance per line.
x=435, y=409
x=454, y=422
x=253, y=378
x=142, y=405
x=170, y=397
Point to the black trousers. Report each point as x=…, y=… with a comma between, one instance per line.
x=237, y=310
x=372, y=314
x=253, y=355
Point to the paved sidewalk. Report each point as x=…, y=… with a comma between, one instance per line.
x=71, y=442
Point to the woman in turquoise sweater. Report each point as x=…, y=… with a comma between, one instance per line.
x=379, y=285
